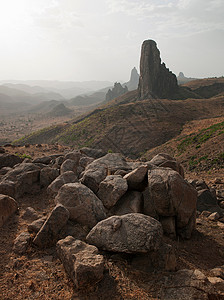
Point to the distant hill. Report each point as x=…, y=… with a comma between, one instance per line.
x=60, y=110
x=86, y=100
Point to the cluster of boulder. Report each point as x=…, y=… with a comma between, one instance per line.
x=105, y=202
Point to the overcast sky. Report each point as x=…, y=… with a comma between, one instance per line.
x=101, y=39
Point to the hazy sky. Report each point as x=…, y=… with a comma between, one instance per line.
x=101, y=39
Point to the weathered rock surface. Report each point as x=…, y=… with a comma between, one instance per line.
x=155, y=81
x=166, y=161
x=9, y=160
x=21, y=243
x=43, y=160
x=83, y=205
x=116, y=91
x=47, y=175
x=69, y=165
x=81, y=261
x=136, y=179
x=131, y=202
x=48, y=233
x=172, y=196
x=74, y=155
x=95, y=153
x=101, y=167
x=111, y=189
x=24, y=178
x=131, y=233
x=67, y=177
x=8, y=207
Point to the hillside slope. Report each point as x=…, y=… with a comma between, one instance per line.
x=130, y=128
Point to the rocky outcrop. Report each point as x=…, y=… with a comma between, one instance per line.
x=156, y=81
x=116, y=91
x=132, y=84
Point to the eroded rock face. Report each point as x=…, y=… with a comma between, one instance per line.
x=83, y=205
x=131, y=233
x=8, y=207
x=81, y=261
x=172, y=196
x=156, y=81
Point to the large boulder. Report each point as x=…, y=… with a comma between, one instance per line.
x=81, y=261
x=97, y=171
x=48, y=234
x=95, y=153
x=83, y=205
x=9, y=160
x=130, y=233
x=67, y=177
x=47, y=175
x=69, y=165
x=155, y=81
x=25, y=178
x=172, y=196
x=166, y=161
x=74, y=155
x=111, y=189
x=8, y=207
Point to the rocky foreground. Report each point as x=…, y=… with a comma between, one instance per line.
x=83, y=224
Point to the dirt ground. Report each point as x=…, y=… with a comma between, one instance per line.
x=39, y=274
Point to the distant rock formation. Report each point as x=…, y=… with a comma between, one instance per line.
x=132, y=84
x=116, y=91
x=182, y=79
x=156, y=81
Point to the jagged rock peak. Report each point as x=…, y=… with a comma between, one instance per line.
x=156, y=81
x=116, y=91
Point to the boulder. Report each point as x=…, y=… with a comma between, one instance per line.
x=207, y=201
x=30, y=214
x=97, y=171
x=9, y=160
x=69, y=165
x=131, y=233
x=43, y=160
x=166, y=161
x=131, y=202
x=8, y=206
x=8, y=187
x=111, y=189
x=67, y=177
x=155, y=81
x=36, y=225
x=74, y=155
x=21, y=243
x=47, y=175
x=81, y=261
x=137, y=179
x=172, y=196
x=48, y=233
x=25, y=178
x=83, y=205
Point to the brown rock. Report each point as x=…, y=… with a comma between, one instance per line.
x=136, y=179
x=111, y=189
x=21, y=243
x=83, y=205
x=9, y=160
x=48, y=233
x=36, y=225
x=47, y=175
x=8, y=207
x=67, y=177
x=81, y=261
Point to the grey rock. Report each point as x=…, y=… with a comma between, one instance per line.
x=30, y=214
x=47, y=175
x=136, y=179
x=21, y=243
x=131, y=202
x=172, y=196
x=48, y=233
x=69, y=165
x=8, y=206
x=131, y=233
x=67, y=177
x=81, y=261
x=83, y=205
x=111, y=189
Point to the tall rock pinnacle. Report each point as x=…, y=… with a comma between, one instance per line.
x=156, y=81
